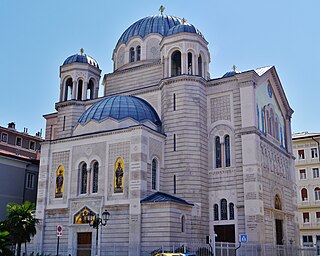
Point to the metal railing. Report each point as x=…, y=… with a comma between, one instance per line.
x=221, y=249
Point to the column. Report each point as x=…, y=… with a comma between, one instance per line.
x=96, y=90
x=184, y=63
x=74, y=90
x=62, y=92
x=84, y=90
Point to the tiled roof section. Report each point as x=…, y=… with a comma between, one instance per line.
x=261, y=71
x=17, y=156
x=159, y=197
x=303, y=135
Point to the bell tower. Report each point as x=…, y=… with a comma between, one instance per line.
x=79, y=84
x=185, y=59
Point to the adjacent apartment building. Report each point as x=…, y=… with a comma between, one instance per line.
x=19, y=166
x=306, y=150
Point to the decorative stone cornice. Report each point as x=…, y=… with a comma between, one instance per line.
x=279, y=212
x=57, y=211
x=104, y=133
x=254, y=130
x=219, y=81
x=181, y=78
x=219, y=171
x=130, y=69
x=62, y=104
x=79, y=66
x=138, y=91
x=281, y=92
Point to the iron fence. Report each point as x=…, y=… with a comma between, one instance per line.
x=221, y=249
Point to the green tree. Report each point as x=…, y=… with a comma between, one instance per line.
x=21, y=223
x=4, y=241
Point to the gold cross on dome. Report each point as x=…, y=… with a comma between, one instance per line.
x=161, y=9
x=81, y=51
x=184, y=21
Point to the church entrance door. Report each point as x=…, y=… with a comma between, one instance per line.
x=225, y=233
x=279, y=232
x=84, y=244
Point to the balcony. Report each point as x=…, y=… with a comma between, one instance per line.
x=309, y=226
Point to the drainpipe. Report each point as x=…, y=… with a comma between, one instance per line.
x=318, y=147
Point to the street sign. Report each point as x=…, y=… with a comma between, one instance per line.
x=59, y=230
x=243, y=238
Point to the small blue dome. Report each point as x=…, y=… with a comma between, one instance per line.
x=186, y=27
x=120, y=108
x=159, y=24
x=231, y=73
x=82, y=58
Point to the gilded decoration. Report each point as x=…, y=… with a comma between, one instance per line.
x=118, y=176
x=59, y=182
x=81, y=217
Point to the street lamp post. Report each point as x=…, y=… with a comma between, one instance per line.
x=95, y=221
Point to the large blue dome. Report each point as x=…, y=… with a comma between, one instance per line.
x=159, y=24
x=120, y=108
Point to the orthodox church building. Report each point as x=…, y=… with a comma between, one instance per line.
x=170, y=153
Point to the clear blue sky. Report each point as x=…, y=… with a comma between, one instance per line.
x=36, y=36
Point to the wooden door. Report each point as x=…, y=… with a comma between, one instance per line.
x=225, y=233
x=84, y=244
x=279, y=232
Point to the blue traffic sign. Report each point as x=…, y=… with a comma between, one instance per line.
x=243, y=238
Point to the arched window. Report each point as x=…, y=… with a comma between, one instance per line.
x=154, y=173
x=215, y=212
x=200, y=66
x=138, y=52
x=83, y=178
x=258, y=117
x=68, y=89
x=263, y=121
x=231, y=211
x=277, y=203
x=176, y=64
x=131, y=54
x=95, y=174
x=272, y=123
x=190, y=63
x=304, y=194
x=90, y=90
x=218, y=152
x=317, y=193
x=267, y=118
x=276, y=128
x=227, y=150
x=80, y=85
x=224, y=209
x=183, y=223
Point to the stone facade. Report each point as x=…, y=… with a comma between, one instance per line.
x=216, y=158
